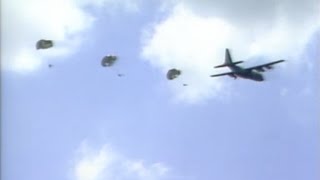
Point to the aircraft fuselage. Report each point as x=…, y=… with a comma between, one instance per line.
x=246, y=73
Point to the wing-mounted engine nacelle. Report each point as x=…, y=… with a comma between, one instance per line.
x=260, y=69
x=233, y=76
x=269, y=67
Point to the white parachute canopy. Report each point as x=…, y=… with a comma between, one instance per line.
x=109, y=60
x=173, y=73
x=44, y=44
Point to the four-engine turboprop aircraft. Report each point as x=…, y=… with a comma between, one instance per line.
x=247, y=73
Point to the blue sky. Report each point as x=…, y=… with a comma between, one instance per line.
x=79, y=121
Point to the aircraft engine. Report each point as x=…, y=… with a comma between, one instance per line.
x=269, y=67
x=233, y=76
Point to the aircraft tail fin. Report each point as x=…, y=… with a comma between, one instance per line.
x=227, y=57
x=228, y=60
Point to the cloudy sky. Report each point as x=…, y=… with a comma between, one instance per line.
x=80, y=121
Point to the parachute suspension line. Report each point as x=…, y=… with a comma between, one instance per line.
x=183, y=81
x=116, y=71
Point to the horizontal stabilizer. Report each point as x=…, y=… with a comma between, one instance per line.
x=222, y=65
x=229, y=64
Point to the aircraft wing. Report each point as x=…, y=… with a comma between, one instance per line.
x=223, y=74
x=260, y=68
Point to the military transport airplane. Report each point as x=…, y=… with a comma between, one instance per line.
x=246, y=73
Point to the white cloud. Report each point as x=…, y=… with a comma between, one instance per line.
x=26, y=21
x=139, y=169
x=193, y=37
x=105, y=163
x=185, y=44
x=114, y=5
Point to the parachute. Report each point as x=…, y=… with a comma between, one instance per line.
x=44, y=44
x=109, y=60
x=173, y=73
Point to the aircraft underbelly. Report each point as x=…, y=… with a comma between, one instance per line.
x=251, y=75
x=244, y=75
